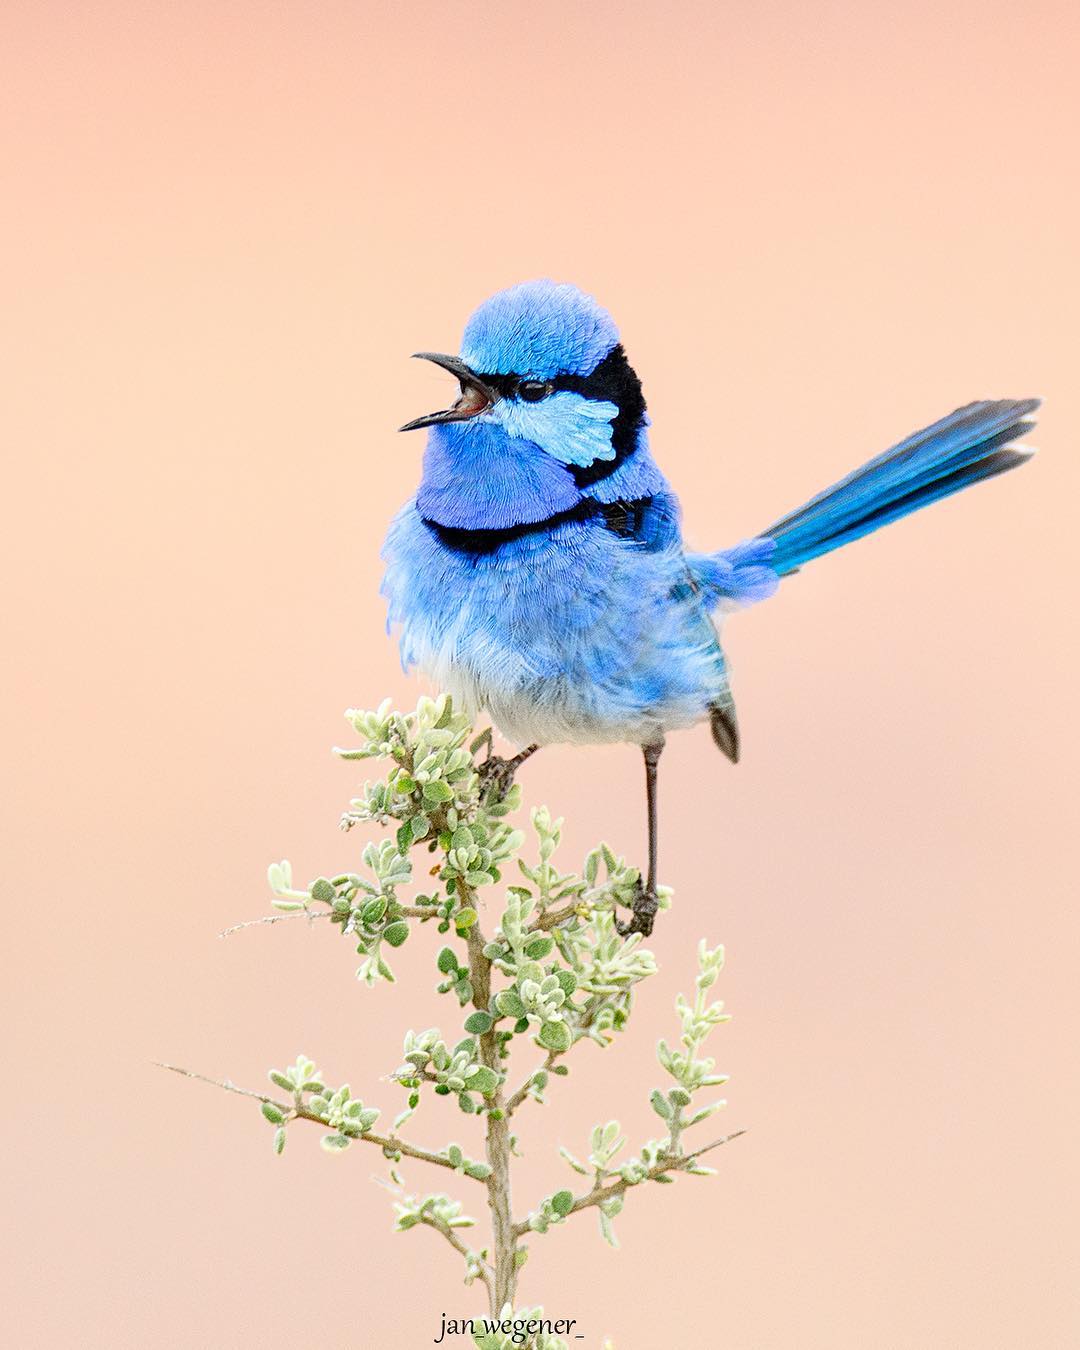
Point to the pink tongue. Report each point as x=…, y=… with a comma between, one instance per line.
x=471, y=401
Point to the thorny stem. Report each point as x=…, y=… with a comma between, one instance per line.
x=291, y=1110
x=600, y=1193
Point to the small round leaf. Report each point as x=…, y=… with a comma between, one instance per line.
x=396, y=933
x=562, y=1202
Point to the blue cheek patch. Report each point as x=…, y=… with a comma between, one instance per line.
x=570, y=428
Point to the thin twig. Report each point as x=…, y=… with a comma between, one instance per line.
x=517, y=1097
x=404, y=912
x=273, y=918
x=599, y=1193
x=471, y=1258
x=386, y=1141
x=553, y=917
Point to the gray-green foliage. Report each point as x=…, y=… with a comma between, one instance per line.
x=553, y=972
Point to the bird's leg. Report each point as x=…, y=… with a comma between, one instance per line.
x=496, y=773
x=645, y=902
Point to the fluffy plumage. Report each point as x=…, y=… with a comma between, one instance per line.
x=539, y=330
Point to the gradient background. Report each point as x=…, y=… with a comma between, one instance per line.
x=226, y=226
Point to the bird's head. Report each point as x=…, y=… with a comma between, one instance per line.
x=542, y=377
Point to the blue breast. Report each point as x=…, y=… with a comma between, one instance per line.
x=587, y=618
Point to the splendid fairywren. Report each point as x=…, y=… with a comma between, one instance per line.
x=539, y=573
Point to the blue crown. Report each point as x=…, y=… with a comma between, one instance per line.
x=539, y=330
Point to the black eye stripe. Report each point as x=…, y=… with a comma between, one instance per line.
x=504, y=385
x=613, y=381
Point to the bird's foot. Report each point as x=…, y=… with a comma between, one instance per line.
x=497, y=777
x=497, y=774
x=643, y=917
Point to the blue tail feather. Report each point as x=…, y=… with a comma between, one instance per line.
x=967, y=446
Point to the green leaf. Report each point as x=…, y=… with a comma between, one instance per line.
x=555, y=1036
x=567, y=981
x=420, y=826
x=464, y=919
x=509, y=1004
x=321, y=889
x=279, y=1139
x=281, y=1080
x=539, y=947
x=437, y=791
x=562, y=1202
x=660, y=1104
x=396, y=933
x=374, y=909
x=479, y=1022
x=483, y=1080
x=272, y=1114
x=577, y=1166
x=334, y=1143
x=403, y=783
x=447, y=960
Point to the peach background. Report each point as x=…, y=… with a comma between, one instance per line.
x=227, y=225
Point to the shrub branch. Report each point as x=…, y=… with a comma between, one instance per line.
x=551, y=973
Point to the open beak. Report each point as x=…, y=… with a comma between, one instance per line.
x=476, y=397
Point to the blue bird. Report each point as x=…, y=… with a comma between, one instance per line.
x=539, y=573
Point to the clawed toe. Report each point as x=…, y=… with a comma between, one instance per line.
x=496, y=777
x=644, y=914
x=497, y=774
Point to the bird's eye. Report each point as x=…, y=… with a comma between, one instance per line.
x=532, y=391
